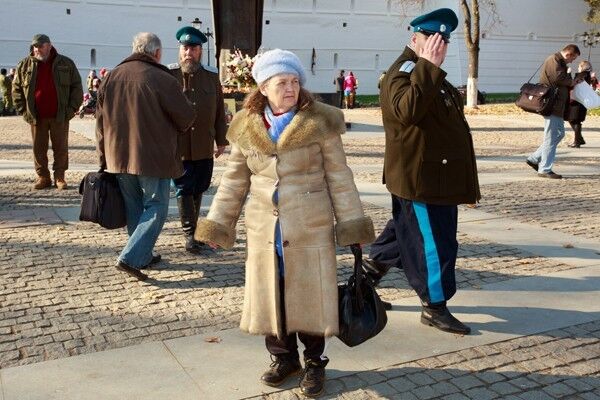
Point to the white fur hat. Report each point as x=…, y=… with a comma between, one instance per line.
x=275, y=62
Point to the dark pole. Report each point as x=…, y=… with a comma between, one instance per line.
x=208, y=34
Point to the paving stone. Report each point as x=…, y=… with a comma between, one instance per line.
x=480, y=393
x=466, y=382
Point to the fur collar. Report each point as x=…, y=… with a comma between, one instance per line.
x=248, y=131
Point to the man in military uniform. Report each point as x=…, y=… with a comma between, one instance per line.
x=47, y=92
x=429, y=165
x=203, y=89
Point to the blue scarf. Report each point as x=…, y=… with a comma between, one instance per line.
x=278, y=123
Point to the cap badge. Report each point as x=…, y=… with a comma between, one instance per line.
x=442, y=28
x=188, y=36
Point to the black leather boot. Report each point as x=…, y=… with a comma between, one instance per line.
x=438, y=316
x=280, y=369
x=313, y=380
x=187, y=215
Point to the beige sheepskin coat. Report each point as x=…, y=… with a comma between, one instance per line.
x=307, y=166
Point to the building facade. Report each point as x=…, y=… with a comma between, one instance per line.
x=363, y=36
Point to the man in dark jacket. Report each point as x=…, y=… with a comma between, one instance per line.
x=339, y=88
x=429, y=165
x=202, y=87
x=141, y=112
x=47, y=92
x=554, y=73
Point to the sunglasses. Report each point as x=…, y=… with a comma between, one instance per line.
x=430, y=33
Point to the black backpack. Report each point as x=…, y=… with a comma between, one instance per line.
x=102, y=201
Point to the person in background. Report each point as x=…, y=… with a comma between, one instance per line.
x=350, y=89
x=6, y=90
x=554, y=73
x=288, y=162
x=47, y=92
x=576, y=111
x=202, y=87
x=429, y=168
x=90, y=80
x=141, y=111
x=339, y=88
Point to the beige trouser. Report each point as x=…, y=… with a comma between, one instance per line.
x=58, y=132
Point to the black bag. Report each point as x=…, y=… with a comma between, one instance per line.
x=537, y=98
x=361, y=312
x=102, y=201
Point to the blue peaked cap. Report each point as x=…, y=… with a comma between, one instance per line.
x=444, y=21
x=189, y=35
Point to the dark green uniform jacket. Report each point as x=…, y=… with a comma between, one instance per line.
x=429, y=153
x=67, y=81
x=203, y=90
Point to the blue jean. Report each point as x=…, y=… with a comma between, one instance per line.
x=554, y=132
x=146, y=207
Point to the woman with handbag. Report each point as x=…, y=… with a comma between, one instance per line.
x=287, y=160
x=576, y=111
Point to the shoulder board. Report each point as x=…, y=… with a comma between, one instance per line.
x=407, y=67
x=210, y=68
x=173, y=66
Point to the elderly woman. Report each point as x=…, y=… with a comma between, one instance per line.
x=287, y=158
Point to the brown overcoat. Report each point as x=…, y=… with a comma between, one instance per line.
x=429, y=154
x=203, y=90
x=307, y=167
x=554, y=73
x=141, y=110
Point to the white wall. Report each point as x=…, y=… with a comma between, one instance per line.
x=376, y=33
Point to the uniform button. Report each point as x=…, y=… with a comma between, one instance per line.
x=195, y=128
x=276, y=213
x=444, y=161
x=194, y=103
x=193, y=90
x=286, y=243
x=191, y=74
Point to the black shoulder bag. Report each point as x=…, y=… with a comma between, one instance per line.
x=361, y=312
x=537, y=97
x=102, y=201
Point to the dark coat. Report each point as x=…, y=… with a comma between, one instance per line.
x=141, y=110
x=67, y=81
x=203, y=90
x=554, y=73
x=429, y=154
x=576, y=111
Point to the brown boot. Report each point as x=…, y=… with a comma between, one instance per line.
x=313, y=380
x=60, y=183
x=42, y=182
x=281, y=369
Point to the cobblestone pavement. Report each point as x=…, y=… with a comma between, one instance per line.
x=570, y=205
x=62, y=296
x=559, y=364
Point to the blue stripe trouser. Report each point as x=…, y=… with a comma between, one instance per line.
x=426, y=236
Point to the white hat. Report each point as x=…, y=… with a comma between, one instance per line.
x=275, y=62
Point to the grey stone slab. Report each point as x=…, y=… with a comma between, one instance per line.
x=544, y=242
x=145, y=371
x=31, y=217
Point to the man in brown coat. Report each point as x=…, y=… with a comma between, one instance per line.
x=47, y=92
x=554, y=73
x=140, y=114
x=203, y=89
x=429, y=165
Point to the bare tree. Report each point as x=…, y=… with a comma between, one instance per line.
x=594, y=11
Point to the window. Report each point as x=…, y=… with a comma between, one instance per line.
x=335, y=60
x=93, y=57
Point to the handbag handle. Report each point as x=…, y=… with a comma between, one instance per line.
x=536, y=71
x=358, y=275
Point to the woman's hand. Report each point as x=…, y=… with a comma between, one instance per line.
x=212, y=245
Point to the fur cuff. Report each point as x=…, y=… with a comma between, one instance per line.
x=211, y=231
x=355, y=231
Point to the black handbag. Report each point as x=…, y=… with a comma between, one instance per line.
x=537, y=97
x=361, y=312
x=102, y=201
